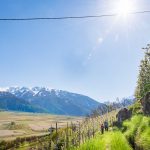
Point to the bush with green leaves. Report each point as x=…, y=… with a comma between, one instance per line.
x=136, y=108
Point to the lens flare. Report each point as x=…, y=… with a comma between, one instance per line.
x=124, y=7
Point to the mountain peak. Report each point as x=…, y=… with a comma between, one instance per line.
x=56, y=101
x=3, y=89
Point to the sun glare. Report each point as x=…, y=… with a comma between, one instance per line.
x=124, y=7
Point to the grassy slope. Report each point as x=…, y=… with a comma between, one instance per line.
x=135, y=131
x=138, y=131
x=110, y=141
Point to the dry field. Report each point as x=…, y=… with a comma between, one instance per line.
x=16, y=124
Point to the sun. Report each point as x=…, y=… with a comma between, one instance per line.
x=124, y=7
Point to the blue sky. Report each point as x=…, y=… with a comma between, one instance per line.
x=95, y=57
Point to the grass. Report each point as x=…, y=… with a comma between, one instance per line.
x=109, y=141
x=143, y=134
x=131, y=127
x=137, y=131
x=144, y=140
x=134, y=134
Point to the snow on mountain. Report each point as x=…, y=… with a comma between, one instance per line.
x=35, y=91
x=10, y=102
x=56, y=101
x=3, y=89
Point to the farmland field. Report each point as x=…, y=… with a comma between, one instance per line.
x=17, y=124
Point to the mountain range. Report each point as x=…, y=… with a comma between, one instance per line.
x=45, y=100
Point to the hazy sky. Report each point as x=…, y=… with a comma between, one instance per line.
x=98, y=57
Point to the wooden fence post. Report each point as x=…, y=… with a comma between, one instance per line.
x=50, y=144
x=67, y=138
x=93, y=127
x=56, y=134
x=88, y=130
x=79, y=133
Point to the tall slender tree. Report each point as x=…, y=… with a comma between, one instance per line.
x=143, y=83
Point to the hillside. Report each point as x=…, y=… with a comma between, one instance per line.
x=132, y=135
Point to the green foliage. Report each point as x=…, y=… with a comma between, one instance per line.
x=119, y=142
x=143, y=83
x=137, y=131
x=143, y=134
x=144, y=140
x=131, y=128
x=136, y=108
x=110, y=141
x=97, y=143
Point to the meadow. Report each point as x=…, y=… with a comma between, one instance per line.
x=17, y=124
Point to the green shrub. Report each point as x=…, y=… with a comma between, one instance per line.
x=136, y=108
x=145, y=140
x=143, y=134
x=94, y=144
x=131, y=127
x=119, y=142
x=137, y=131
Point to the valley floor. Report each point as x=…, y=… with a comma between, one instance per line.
x=133, y=134
x=16, y=124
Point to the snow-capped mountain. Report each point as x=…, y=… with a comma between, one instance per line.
x=22, y=92
x=56, y=101
x=9, y=101
x=28, y=93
